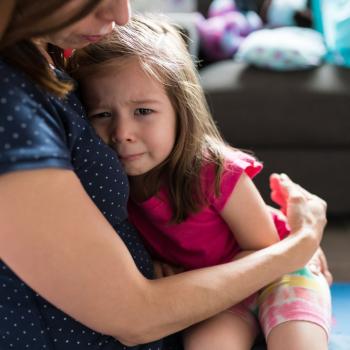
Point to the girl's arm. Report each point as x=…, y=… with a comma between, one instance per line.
x=55, y=239
x=248, y=217
x=246, y=189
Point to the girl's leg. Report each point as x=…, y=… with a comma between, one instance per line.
x=225, y=331
x=295, y=312
x=297, y=335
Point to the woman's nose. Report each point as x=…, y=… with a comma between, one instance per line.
x=117, y=11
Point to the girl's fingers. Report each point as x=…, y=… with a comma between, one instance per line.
x=278, y=193
x=157, y=268
x=324, y=267
x=169, y=270
x=284, y=188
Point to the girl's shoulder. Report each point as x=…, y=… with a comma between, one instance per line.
x=235, y=163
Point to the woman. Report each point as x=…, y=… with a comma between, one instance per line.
x=68, y=280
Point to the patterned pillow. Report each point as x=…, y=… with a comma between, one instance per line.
x=288, y=48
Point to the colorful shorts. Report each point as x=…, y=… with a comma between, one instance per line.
x=299, y=296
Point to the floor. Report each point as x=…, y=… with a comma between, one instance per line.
x=336, y=244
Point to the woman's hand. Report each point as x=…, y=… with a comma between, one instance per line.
x=318, y=263
x=303, y=209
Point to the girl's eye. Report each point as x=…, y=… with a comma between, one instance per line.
x=143, y=111
x=100, y=115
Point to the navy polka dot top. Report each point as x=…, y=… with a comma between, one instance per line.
x=39, y=130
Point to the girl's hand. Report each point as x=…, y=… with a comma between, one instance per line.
x=302, y=208
x=162, y=269
x=318, y=265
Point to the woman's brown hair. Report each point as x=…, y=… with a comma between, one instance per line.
x=162, y=54
x=34, y=19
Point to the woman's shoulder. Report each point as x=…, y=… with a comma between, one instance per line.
x=9, y=74
x=23, y=102
x=17, y=89
x=23, y=99
x=32, y=134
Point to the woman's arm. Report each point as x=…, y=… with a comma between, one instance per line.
x=57, y=241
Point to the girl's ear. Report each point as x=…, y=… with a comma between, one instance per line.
x=6, y=9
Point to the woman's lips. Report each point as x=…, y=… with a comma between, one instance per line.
x=92, y=38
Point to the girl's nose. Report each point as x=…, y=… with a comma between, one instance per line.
x=117, y=11
x=123, y=131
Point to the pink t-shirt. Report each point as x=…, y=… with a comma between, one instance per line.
x=204, y=238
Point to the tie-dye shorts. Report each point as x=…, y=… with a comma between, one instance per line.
x=299, y=296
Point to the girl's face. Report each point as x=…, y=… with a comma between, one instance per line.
x=93, y=27
x=132, y=113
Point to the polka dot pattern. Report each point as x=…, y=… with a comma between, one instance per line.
x=38, y=130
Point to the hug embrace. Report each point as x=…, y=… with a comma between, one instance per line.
x=125, y=219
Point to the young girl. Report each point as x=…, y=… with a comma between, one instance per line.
x=192, y=197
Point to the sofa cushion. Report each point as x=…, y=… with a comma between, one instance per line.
x=256, y=108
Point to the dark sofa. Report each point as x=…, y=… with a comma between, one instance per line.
x=295, y=122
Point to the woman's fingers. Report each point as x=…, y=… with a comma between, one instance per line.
x=283, y=188
x=301, y=207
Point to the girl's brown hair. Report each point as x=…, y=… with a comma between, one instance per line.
x=35, y=19
x=162, y=53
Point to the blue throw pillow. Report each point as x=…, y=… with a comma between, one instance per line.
x=332, y=19
x=283, y=49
